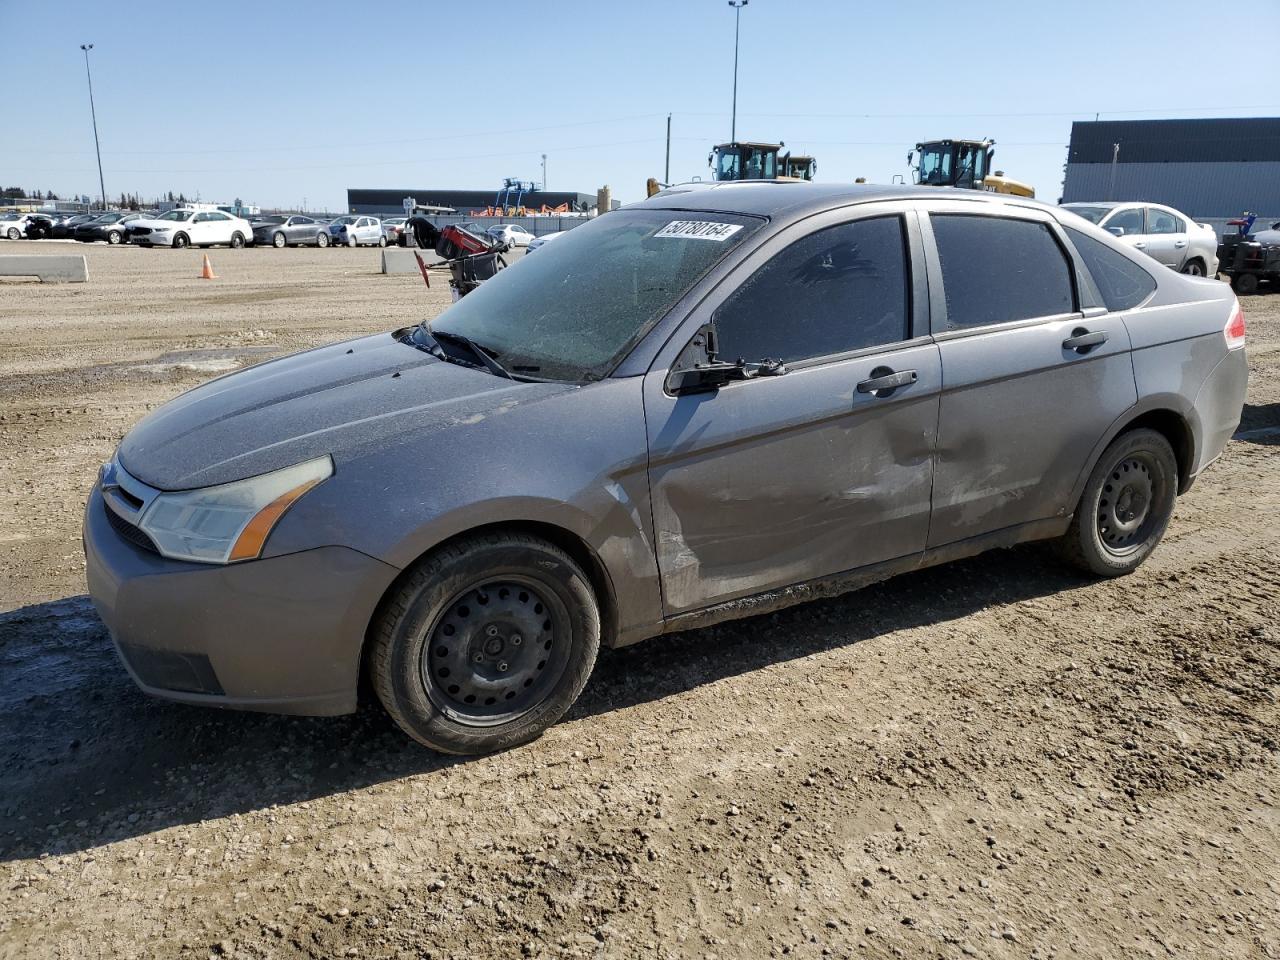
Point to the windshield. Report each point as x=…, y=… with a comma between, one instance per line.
x=935, y=165
x=175, y=215
x=1092, y=214
x=573, y=312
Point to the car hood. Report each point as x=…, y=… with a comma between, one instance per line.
x=344, y=400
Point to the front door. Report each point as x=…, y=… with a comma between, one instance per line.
x=781, y=479
x=1031, y=383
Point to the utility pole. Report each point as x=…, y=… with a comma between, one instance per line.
x=737, y=15
x=666, y=175
x=1115, y=157
x=86, y=47
x=544, y=172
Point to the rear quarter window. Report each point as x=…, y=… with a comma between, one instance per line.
x=1000, y=270
x=1122, y=283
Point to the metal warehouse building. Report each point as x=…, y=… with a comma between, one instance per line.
x=388, y=202
x=1209, y=169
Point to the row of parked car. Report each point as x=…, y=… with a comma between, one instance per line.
x=183, y=227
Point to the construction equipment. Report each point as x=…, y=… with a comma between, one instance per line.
x=744, y=161
x=1246, y=257
x=512, y=193
x=963, y=163
x=797, y=167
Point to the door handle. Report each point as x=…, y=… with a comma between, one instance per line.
x=884, y=381
x=1141, y=246
x=1082, y=341
x=1179, y=243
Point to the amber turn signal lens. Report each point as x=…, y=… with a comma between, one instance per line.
x=252, y=538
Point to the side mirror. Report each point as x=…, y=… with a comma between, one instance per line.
x=705, y=377
x=1116, y=231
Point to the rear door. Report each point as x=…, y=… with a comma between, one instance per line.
x=782, y=479
x=1166, y=237
x=1031, y=381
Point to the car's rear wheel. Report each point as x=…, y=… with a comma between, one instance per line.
x=322, y=239
x=237, y=240
x=1126, y=505
x=180, y=241
x=1194, y=268
x=486, y=643
x=277, y=240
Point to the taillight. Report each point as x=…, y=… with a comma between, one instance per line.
x=1234, y=330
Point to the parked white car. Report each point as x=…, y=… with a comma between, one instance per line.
x=510, y=233
x=1161, y=232
x=355, y=231
x=543, y=239
x=13, y=225
x=191, y=228
x=392, y=227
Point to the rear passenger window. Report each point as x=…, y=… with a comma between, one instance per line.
x=997, y=270
x=1122, y=283
x=1158, y=221
x=837, y=290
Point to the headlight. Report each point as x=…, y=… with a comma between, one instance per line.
x=229, y=522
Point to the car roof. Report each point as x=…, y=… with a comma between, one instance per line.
x=786, y=198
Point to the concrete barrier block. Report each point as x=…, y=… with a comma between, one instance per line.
x=400, y=260
x=50, y=268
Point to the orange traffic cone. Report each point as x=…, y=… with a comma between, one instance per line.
x=207, y=273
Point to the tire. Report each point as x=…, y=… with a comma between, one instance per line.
x=1126, y=505
x=351, y=241
x=237, y=240
x=322, y=240
x=1245, y=283
x=278, y=241
x=181, y=241
x=382, y=240
x=13, y=233
x=1194, y=268
x=113, y=237
x=485, y=643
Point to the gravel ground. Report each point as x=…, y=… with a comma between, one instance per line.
x=996, y=758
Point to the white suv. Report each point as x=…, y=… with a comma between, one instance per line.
x=199, y=228
x=357, y=231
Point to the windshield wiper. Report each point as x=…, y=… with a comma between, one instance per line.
x=490, y=364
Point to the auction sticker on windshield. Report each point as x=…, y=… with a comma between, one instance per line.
x=699, y=230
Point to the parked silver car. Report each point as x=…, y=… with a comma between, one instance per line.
x=708, y=405
x=355, y=231
x=281, y=230
x=1161, y=232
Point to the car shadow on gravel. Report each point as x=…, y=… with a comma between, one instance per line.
x=88, y=760
x=1259, y=423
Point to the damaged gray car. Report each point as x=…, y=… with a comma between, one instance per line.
x=707, y=405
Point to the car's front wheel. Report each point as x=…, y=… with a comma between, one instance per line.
x=486, y=643
x=13, y=233
x=1126, y=505
x=352, y=242
x=114, y=237
x=180, y=241
x=278, y=240
x=382, y=240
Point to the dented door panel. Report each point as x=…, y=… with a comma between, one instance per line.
x=779, y=480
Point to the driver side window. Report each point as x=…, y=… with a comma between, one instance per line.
x=837, y=290
x=1129, y=220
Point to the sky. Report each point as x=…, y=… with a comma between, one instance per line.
x=284, y=102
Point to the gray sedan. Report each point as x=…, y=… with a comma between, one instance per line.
x=290, y=231
x=708, y=405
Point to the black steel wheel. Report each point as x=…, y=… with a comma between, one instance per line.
x=180, y=241
x=485, y=643
x=493, y=653
x=1245, y=283
x=1126, y=505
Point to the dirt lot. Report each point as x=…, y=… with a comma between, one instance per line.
x=996, y=758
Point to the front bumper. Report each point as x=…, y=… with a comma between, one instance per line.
x=280, y=635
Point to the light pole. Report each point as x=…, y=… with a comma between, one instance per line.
x=544, y=173
x=737, y=15
x=86, y=47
